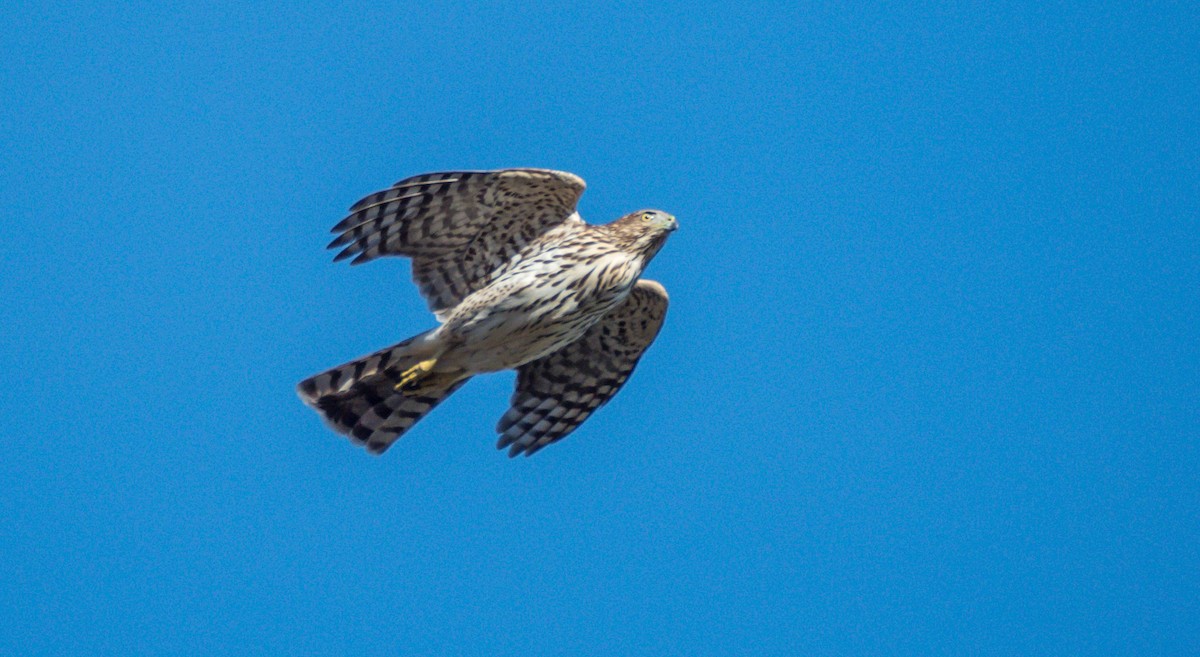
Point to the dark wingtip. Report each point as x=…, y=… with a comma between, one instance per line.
x=344, y=238
x=347, y=222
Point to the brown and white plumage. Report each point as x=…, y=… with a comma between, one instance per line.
x=518, y=281
x=556, y=393
x=459, y=227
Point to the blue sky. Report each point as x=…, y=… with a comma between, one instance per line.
x=929, y=383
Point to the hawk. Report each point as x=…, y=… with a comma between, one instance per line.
x=516, y=280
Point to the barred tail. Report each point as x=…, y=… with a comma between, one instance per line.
x=359, y=399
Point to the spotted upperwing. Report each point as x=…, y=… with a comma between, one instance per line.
x=458, y=227
x=558, y=392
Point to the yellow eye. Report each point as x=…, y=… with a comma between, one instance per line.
x=647, y=216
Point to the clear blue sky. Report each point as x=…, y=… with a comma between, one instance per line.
x=929, y=383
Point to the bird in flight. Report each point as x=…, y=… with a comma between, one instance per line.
x=516, y=280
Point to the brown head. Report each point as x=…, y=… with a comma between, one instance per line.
x=643, y=231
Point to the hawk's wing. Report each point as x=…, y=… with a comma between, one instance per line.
x=556, y=393
x=459, y=227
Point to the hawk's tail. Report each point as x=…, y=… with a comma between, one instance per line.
x=359, y=399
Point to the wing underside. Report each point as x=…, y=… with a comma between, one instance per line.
x=556, y=393
x=459, y=227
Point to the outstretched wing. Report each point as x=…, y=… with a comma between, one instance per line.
x=556, y=393
x=459, y=227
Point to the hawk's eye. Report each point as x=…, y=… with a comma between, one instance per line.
x=647, y=216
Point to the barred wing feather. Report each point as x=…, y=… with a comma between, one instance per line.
x=556, y=393
x=459, y=227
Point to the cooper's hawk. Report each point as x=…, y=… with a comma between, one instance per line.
x=518, y=281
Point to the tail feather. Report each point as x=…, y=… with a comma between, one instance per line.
x=399, y=356
x=359, y=399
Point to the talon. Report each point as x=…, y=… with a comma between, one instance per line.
x=413, y=375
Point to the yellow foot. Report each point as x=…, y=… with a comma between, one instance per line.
x=413, y=375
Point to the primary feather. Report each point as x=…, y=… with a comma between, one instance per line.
x=518, y=281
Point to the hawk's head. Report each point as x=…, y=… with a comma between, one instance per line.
x=644, y=231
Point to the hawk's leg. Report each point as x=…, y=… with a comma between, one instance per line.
x=413, y=375
x=431, y=383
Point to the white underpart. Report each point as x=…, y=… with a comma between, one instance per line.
x=498, y=327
